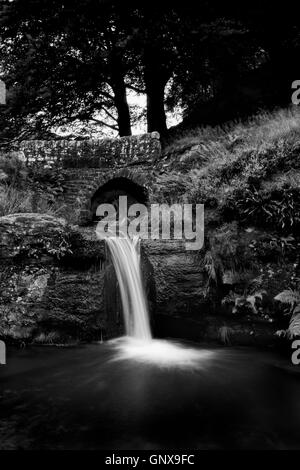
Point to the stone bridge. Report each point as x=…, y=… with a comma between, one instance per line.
x=76, y=295
x=89, y=165
x=83, y=291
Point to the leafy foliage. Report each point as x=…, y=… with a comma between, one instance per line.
x=292, y=299
x=225, y=255
x=67, y=62
x=289, y=297
x=247, y=303
x=13, y=168
x=279, y=208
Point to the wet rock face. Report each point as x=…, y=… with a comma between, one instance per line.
x=57, y=281
x=72, y=305
x=180, y=278
x=51, y=281
x=57, y=284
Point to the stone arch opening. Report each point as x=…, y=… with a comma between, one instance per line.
x=109, y=193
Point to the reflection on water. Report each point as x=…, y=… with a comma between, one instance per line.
x=161, y=353
x=88, y=398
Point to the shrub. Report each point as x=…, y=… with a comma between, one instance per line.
x=14, y=200
x=47, y=181
x=243, y=170
x=247, y=304
x=291, y=299
x=13, y=168
x=279, y=209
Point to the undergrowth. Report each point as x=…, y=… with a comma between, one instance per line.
x=248, y=171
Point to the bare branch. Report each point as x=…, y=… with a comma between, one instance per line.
x=111, y=126
x=136, y=89
x=108, y=95
x=110, y=114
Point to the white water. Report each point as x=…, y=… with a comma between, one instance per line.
x=125, y=253
x=138, y=344
x=164, y=353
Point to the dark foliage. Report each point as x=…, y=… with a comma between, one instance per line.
x=66, y=61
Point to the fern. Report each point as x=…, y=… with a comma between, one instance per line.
x=252, y=299
x=292, y=298
x=294, y=326
x=288, y=296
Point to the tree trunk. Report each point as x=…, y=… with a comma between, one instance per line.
x=155, y=77
x=121, y=104
x=156, y=116
x=117, y=82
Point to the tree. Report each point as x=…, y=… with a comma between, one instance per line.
x=159, y=32
x=244, y=57
x=66, y=60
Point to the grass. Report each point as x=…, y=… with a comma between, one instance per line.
x=213, y=142
x=220, y=166
x=14, y=200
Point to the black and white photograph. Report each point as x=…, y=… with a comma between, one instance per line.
x=149, y=228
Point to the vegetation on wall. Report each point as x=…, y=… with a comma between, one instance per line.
x=37, y=190
x=247, y=174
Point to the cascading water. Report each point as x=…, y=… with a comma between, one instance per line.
x=139, y=345
x=125, y=253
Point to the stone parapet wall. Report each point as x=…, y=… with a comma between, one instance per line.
x=101, y=153
x=84, y=166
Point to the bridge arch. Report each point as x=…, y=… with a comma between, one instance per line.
x=110, y=192
x=108, y=186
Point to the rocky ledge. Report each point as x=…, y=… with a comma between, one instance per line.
x=57, y=284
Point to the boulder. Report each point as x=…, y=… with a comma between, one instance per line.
x=51, y=280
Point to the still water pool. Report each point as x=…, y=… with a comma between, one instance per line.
x=114, y=396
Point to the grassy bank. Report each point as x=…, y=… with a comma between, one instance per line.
x=244, y=171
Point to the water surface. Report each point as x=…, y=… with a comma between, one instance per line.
x=96, y=397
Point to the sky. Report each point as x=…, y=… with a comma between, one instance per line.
x=139, y=100
x=136, y=101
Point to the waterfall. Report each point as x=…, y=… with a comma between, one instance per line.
x=138, y=344
x=126, y=258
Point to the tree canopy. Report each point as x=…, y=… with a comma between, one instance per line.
x=64, y=62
